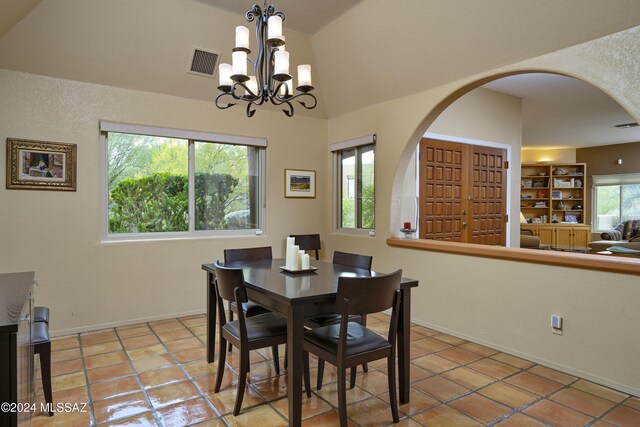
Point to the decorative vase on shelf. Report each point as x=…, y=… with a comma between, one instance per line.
x=560, y=205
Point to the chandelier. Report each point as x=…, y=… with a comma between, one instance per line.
x=271, y=81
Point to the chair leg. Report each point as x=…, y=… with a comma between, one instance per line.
x=320, y=373
x=276, y=358
x=45, y=366
x=286, y=358
x=230, y=320
x=342, y=396
x=352, y=381
x=242, y=381
x=365, y=366
x=307, y=377
x=393, y=399
x=222, y=356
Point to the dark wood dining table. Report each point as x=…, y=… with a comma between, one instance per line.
x=299, y=296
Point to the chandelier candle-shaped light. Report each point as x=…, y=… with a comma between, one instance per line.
x=271, y=81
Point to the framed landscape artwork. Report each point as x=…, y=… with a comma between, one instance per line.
x=299, y=183
x=40, y=165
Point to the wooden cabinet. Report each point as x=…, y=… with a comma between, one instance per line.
x=16, y=351
x=569, y=235
x=553, y=193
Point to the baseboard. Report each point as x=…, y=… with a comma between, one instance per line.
x=559, y=367
x=99, y=326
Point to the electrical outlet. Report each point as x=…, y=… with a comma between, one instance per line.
x=556, y=324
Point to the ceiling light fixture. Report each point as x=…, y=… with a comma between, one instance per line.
x=271, y=81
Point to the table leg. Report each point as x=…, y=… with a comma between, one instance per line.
x=295, y=341
x=404, y=342
x=211, y=318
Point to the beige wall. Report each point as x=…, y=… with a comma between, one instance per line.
x=553, y=156
x=88, y=284
x=508, y=304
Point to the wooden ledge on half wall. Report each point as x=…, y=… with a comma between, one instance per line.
x=613, y=264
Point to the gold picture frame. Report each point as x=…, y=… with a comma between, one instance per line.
x=40, y=165
x=299, y=183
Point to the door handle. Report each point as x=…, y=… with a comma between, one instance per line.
x=464, y=224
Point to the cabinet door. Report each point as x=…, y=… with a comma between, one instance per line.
x=546, y=235
x=581, y=236
x=564, y=236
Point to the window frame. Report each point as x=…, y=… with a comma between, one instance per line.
x=608, y=181
x=337, y=149
x=192, y=137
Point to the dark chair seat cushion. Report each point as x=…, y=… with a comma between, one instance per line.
x=250, y=308
x=39, y=332
x=359, y=339
x=41, y=314
x=262, y=326
x=330, y=319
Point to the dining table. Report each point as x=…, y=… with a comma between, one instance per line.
x=302, y=295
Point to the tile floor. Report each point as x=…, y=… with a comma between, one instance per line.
x=156, y=374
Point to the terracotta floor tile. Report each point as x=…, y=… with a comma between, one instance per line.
x=225, y=400
x=153, y=362
x=508, y=394
x=109, y=372
x=329, y=392
x=142, y=352
x=534, y=383
x=65, y=367
x=145, y=419
x=441, y=388
x=263, y=416
x=139, y=341
x=113, y=388
x=215, y=422
x=161, y=376
x=133, y=332
x=426, y=346
x=183, y=344
x=480, y=408
x=582, y=401
x=64, y=355
x=206, y=383
x=65, y=343
x=177, y=334
x=424, y=331
x=449, y=339
x=494, y=368
x=374, y=382
x=434, y=363
x=623, y=416
x=263, y=370
x=106, y=359
x=371, y=412
x=67, y=381
x=199, y=330
x=459, y=355
x=520, y=420
x=468, y=378
x=186, y=413
x=72, y=395
x=107, y=347
x=513, y=360
x=331, y=419
x=633, y=402
x=164, y=326
x=601, y=423
x=191, y=354
x=99, y=337
x=199, y=368
x=600, y=391
x=445, y=417
x=418, y=401
x=171, y=393
x=120, y=407
x=480, y=349
x=557, y=415
x=64, y=419
x=552, y=374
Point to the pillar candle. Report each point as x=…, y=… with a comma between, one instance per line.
x=305, y=261
x=274, y=27
x=242, y=37
x=300, y=256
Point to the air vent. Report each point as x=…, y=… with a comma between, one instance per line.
x=627, y=125
x=204, y=62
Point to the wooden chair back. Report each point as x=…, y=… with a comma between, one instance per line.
x=247, y=254
x=230, y=284
x=308, y=242
x=352, y=260
x=366, y=295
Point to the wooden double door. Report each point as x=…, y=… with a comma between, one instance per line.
x=462, y=192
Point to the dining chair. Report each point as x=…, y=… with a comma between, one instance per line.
x=250, y=308
x=349, y=344
x=349, y=260
x=308, y=242
x=246, y=333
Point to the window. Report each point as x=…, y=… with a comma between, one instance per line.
x=169, y=183
x=355, y=179
x=616, y=199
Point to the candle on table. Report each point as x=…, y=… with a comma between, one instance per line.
x=407, y=225
x=305, y=261
x=300, y=256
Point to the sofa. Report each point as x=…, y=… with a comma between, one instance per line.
x=626, y=234
x=529, y=241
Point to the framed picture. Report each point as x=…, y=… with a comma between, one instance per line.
x=570, y=218
x=40, y=165
x=556, y=194
x=299, y=183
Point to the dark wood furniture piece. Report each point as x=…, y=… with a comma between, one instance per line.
x=16, y=353
x=349, y=260
x=42, y=347
x=264, y=330
x=299, y=296
x=349, y=344
x=308, y=242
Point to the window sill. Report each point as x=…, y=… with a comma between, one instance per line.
x=611, y=264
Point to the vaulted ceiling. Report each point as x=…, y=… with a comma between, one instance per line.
x=363, y=52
